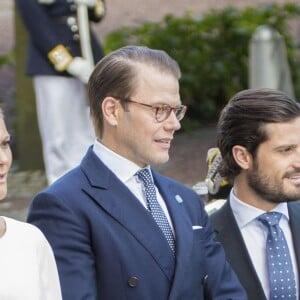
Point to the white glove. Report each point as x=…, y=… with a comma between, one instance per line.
x=80, y=68
x=89, y=3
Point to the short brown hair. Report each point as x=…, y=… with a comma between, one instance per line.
x=116, y=75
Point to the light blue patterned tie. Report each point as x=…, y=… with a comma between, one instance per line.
x=154, y=207
x=280, y=269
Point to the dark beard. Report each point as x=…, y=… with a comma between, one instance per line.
x=268, y=190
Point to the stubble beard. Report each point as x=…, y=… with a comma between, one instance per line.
x=268, y=189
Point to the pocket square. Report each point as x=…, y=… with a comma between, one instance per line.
x=195, y=227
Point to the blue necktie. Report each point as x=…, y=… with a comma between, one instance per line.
x=154, y=207
x=280, y=269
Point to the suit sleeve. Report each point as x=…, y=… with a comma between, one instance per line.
x=69, y=239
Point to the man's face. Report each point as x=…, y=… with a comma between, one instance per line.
x=141, y=138
x=275, y=174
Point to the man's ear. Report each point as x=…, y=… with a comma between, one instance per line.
x=110, y=110
x=242, y=157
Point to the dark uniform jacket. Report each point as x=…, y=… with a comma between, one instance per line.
x=49, y=25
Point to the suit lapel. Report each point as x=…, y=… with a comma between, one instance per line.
x=117, y=200
x=229, y=235
x=182, y=227
x=294, y=214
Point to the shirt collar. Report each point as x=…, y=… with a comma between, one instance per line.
x=123, y=168
x=245, y=213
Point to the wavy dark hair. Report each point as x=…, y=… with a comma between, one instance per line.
x=243, y=119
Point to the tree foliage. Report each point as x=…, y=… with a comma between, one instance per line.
x=212, y=51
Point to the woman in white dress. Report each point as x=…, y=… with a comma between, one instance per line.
x=27, y=266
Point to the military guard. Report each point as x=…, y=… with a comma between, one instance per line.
x=62, y=50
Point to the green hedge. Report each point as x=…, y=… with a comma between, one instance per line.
x=7, y=59
x=212, y=51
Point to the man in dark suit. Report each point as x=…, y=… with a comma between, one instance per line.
x=116, y=233
x=61, y=53
x=258, y=137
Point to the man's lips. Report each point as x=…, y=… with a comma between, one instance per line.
x=294, y=177
x=164, y=142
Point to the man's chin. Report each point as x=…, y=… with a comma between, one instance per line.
x=160, y=160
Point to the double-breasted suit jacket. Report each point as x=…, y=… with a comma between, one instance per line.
x=51, y=23
x=228, y=233
x=108, y=246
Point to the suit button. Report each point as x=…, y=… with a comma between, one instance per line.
x=133, y=281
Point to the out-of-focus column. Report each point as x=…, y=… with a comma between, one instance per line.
x=268, y=64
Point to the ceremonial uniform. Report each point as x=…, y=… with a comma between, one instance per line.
x=60, y=73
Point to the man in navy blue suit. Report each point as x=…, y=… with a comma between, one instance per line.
x=98, y=217
x=62, y=50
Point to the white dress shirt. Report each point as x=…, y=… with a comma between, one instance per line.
x=255, y=235
x=126, y=170
x=27, y=265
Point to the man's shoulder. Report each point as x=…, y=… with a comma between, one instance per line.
x=71, y=182
x=170, y=181
x=218, y=216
